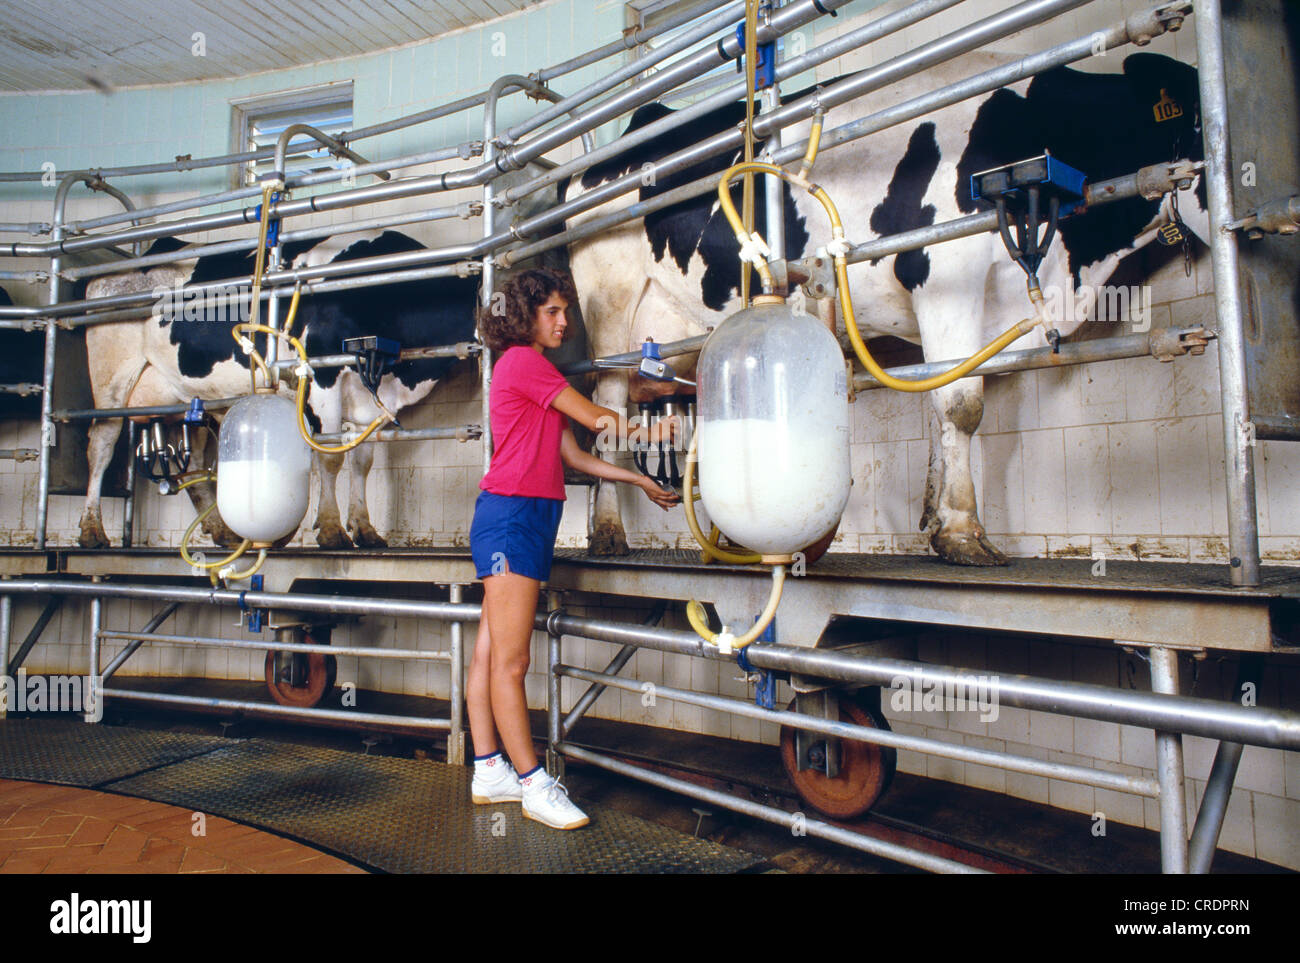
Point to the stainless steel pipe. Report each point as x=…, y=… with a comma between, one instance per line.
x=273, y=711
x=1275, y=728
x=328, y=604
x=1169, y=770
x=842, y=730
x=1030, y=359
x=266, y=645
x=1238, y=442
x=797, y=822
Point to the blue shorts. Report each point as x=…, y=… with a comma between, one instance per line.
x=514, y=533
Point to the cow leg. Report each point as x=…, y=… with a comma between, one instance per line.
x=329, y=526
x=363, y=533
x=951, y=308
x=952, y=517
x=607, y=536
x=117, y=365
x=99, y=452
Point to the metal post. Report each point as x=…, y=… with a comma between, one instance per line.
x=94, y=710
x=128, y=506
x=6, y=628
x=1218, y=788
x=774, y=187
x=554, y=706
x=272, y=313
x=456, y=734
x=486, y=289
x=47, y=396
x=1243, y=532
x=1169, y=770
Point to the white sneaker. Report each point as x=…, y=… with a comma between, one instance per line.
x=495, y=781
x=547, y=801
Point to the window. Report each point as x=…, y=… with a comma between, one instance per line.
x=649, y=13
x=259, y=121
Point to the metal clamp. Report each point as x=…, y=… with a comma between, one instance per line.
x=1170, y=343
x=765, y=688
x=1281, y=216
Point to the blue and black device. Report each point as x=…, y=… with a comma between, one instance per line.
x=1025, y=194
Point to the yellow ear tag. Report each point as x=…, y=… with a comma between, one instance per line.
x=1167, y=108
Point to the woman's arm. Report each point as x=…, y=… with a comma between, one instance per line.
x=602, y=420
x=573, y=456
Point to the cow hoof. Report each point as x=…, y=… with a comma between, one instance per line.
x=607, y=541
x=967, y=548
x=93, y=536
x=332, y=536
x=365, y=536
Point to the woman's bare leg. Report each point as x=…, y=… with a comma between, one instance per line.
x=510, y=601
x=478, y=698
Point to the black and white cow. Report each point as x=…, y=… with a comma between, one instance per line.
x=676, y=272
x=22, y=355
x=169, y=361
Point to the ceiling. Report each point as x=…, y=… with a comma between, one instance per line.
x=73, y=45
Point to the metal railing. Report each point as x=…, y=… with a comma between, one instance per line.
x=501, y=248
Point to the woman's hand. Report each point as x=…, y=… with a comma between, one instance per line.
x=665, y=498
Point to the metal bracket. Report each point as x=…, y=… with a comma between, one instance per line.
x=812, y=750
x=253, y=618
x=1157, y=180
x=1281, y=216
x=1170, y=343
x=816, y=275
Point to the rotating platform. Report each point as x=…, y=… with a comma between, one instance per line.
x=387, y=814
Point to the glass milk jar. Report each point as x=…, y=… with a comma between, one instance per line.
x=263, y=469
x=774, y=429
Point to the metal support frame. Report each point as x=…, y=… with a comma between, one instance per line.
x=795, y=821
x=1218, y=788
x=1238, y=439
x=456, y=695
x=52, y=605
x=1168, y=719
x=554, y=695
x=6, y=630
x=96, y=590
x=94, y=681
x=1169, y=770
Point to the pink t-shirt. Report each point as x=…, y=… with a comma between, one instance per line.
x=526, y=430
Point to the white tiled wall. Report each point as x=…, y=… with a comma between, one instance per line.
x=1122, y=459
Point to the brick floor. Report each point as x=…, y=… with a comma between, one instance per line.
x=57, y=829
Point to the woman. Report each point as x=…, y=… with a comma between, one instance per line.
x=516, y=519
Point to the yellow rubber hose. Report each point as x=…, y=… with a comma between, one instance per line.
x=189, y=533
x=845, y=298
x=304, y=373
x=724, y=640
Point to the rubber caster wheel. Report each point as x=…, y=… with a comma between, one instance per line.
x=866, y=770
x=321, y=672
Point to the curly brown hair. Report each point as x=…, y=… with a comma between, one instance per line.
x=509, y=317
